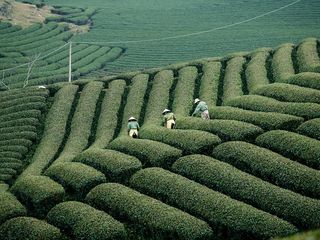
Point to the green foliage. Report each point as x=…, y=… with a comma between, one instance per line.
x=54, y=130
x=265, y=120
x=310, y=128
x=140, y=210
x=20, y=115
x=299, y=210
x=10, y=207
x=183, y=95
x=232, y=82
x=116, y=166
x=265, y=104
x=311, y=235
x=298, y=147
x=282, y=65
x=226, y=129
x=307, y=56
x=22, y=228
x=38, y=193
x=81, y=122
x=256, y=72
x=75, y=177
x=190, y=141
x=270, y=167
x=150, y=153
x=19, y=122
x=85, y=222
x=159, y=97
x=220, y=211
x=289, y=93
x=135, y=100
x=210, y=83
x=307, y=79
x=108, y=119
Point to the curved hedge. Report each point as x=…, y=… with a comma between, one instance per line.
x=310, y=128
x=10, y=207
x=282, y=64
x=307, y=56
x=232, y=82
x=270, y=167
x=19, y=122
x=299, y=210
x=30, y=228
x=301, y=148
x=150, y=153
x=85, y=222
x=265, y=104
x=116, y=166
x=108, y=119
x=303, y=236
x=210, y=81
x=77, y=178
x=190, y=141
x=265, y=120
x=82, y=120
x=159, y=97
x=19, y=115
x=183, y=94
x=289, y=93
x=306, y=79
x=38, y=193
x=222, y=213
x=256, y=71
x=139, y=209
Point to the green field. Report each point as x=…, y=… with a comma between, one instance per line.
x=68, y=170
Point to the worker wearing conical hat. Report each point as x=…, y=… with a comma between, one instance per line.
x=202, y=108
x=133, y=127
x=169, y=119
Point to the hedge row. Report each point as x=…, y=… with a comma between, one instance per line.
x=265, y=104
x=64, y=53
x=289, y=93
x=31, y=31
x=299, y=210
x=16, y=142
x=80, y=54
x=22, y=228
x=256, y=71
x=20, y=93
x=189, y=141
x=10, y=207
x=11, y=155
x=209, y=86
x=47, y=47
x=135, y=100
x=11, y=29
x=232, y=82
x=265, y=120
x=38, y=193
x=116, y=166
x=90, y=58
x=76, y=178
x=22, y=100
x=227, y=130
x=85, y=222
x=28, y=135
x=150, y=153
x=54, y=130
x=270, y=167
x=282, y=65
x=303, y=236
x=139, y=209
x=159, y=97
x=223, y=213
x=20, y=115
x=80, y=129
x=310, y=128
x=301, y=148
x=307, y=56
x=183, y=95
x=23, y=107
x=307, y=79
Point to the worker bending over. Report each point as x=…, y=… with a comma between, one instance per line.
x=169, y=119
x=202, y=108
x=133, y=127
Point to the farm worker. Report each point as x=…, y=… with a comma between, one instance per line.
x=202, y=107
x=133, y=127
x=169, y=119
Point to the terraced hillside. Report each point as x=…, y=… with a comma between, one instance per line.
x=39, y=54
x=251, y=172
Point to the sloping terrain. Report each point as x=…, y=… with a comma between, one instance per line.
x=251, y=172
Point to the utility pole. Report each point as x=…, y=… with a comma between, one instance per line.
x=70, y=61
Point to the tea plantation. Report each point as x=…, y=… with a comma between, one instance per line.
x=69, y=171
